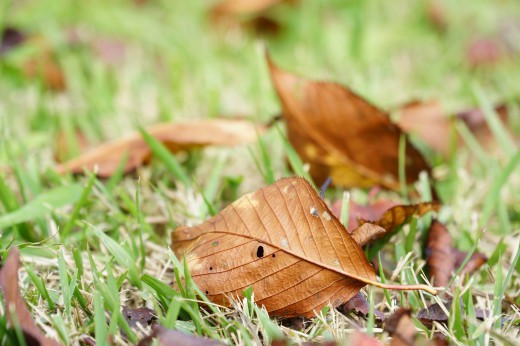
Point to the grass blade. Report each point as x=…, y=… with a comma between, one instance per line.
x=121, y=256
x=162, y=153
x=42, y=205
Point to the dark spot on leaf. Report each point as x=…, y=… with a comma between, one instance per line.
x=207, y=292
x=210, y=268
x=273, y=255
x=260, y=251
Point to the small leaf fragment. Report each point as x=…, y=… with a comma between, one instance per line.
x=366, y=232
x=396, y=216
x=359, y=304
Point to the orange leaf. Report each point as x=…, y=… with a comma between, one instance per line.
x=341, y=135
x=284, y=242
x=176, y=137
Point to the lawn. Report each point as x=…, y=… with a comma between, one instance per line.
x=93, y=71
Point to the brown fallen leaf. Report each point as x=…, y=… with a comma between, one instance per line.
x=64, y=147
x=366, y=233
x=401, y=328
x=436, y=14
x=176, y=137
x=434, y=313
x=143, y=316
x=341, y=135
x=255, y=16
x=476, y=122
x=370, y=211
x=45, y=67
x=440, y=257
x=41, y=64
x=435, y=128
x=359, y=304
x=443, y=259
x=396, y=216
x=476, y=261
x=14, y=305
x=168, y=337
x=284, y=242
x=428, y=121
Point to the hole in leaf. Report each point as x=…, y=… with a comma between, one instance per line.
x=260, y=251
x=207, y=292
x=210, y=268
x=273, y=255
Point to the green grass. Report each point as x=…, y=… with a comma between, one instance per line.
x=90, y=247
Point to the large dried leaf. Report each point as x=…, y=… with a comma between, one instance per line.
x=397, y=216
x=15, y=305
x=176, y=137
x=284, y=242
x=341, y=135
